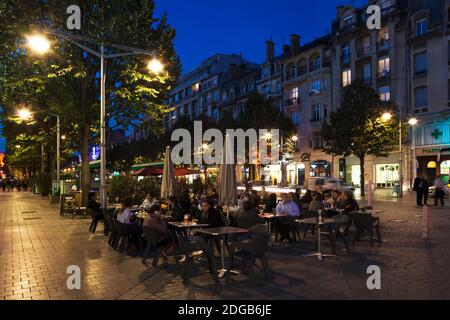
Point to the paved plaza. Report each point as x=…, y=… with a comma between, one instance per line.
x=37, y=246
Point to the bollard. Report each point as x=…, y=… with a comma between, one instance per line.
x=370, y=194
x=426, y=222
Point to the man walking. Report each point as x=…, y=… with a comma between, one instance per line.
x=438, y=191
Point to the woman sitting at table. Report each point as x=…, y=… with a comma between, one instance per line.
x=333, y=200
x=125, y=216
x=249, y=217
x=306, y=200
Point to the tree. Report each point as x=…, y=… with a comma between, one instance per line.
x=357, y=127
x=67, y=81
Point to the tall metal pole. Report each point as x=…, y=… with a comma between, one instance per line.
x=103, y=190
x=400, y=191
x=58, y=149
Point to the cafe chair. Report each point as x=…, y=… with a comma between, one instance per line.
x=192, y=249
x=366, y=222
x=305, y=215
x=152, y=237
x=337, y=231
x=248, y=252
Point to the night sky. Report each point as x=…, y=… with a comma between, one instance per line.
x=206, y=27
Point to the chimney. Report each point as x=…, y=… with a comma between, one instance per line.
x=270, y=50
x=295, y=44
x=286, y=51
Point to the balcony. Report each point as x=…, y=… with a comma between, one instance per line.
x=292, y=102
x=420, y=73
x=313, y=93
x=384, y=76
x=364, y=52
x=314, y=67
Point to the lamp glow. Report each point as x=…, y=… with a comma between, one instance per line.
x=155, y=66
x=386, y=116
x=413, y=121
x=38, y=43
x=24, y=114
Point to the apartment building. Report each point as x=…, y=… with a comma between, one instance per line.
x=198, y=92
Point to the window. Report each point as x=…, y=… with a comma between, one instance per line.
x=266, y=89
x=421, y=27
x=346, y=53
x=316, y=87
x=448, y=93
x=348, y=21
x=420, y=63
x=383, y=38
x=278, y=86
x=385, y=4
x=266, y=72
x=384, y=66
x=293, y=93
x=317, y=142
x=295, y=117
x=215, y=113
x=346, y=77
x=290, y=71
x=421, y=99
x=385, y=93
x=316, y=113
x=366, y=45
x=316, y=63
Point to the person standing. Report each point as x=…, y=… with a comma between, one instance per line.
x=421, y=186
x=438, y=191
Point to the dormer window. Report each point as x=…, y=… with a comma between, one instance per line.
x=348, y=21
x=421, y=26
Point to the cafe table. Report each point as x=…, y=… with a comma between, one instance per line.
x=269, y=217
x=315, y=221
x=187, y=225
x=222, y=232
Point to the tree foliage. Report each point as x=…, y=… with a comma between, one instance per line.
x=357, y=127
x=66, y=81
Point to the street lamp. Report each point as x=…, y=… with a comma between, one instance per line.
x=38, y=43
x=413, y=122
x=25, y=114
x=41, y=45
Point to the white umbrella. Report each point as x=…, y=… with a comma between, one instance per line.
x=168, y=179
x=227, y=177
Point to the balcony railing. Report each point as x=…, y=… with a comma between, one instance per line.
x=420, y=73
x=292, y=102
x=363, y=52
x=384, y=75
x=314, y=67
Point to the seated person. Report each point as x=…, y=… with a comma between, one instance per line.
x=211, y=216
x=271, y=203
x=154, y=221
x=148, y=202
x=349, y=202
x=316, y=204
x=176, y=212
x=286, y=209
x=306, y=200
x=249, y=217
x=125, y=216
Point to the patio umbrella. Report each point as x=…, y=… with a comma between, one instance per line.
x=168, y=178
x=227, y=177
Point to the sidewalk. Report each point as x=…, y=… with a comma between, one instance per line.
x=37, y=246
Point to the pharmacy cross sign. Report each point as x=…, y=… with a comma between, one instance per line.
x=436, y=134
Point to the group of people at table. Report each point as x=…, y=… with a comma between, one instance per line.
x=253, y=206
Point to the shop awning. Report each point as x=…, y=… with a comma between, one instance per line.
x=154, y=171
x=138, y=167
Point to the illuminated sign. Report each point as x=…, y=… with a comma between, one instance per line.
x=95, y=153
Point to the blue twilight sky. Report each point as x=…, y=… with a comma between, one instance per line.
x=206, y=27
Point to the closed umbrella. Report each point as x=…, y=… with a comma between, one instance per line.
x=168, y=178
x=227, y=177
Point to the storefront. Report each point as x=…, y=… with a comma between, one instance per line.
x=320, y=168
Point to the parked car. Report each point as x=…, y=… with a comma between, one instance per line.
x=329, y=184
x=446, y=190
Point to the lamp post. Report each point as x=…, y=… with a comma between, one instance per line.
x=41, y=45
x=25, y=114
x=413, y=122
x=387, y=116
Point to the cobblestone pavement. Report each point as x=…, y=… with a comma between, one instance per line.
x=37, y=246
